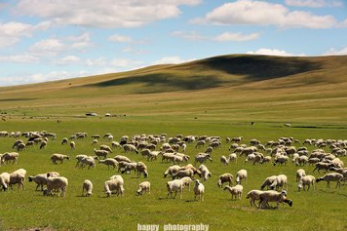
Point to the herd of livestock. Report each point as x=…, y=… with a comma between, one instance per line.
x=184, y=169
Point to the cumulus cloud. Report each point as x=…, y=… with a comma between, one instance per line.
x=105, y=14
x=275, y=52
x=22, y=58
x=248, y=12
x=120, y=39
x=48, y=47
x=314, y=3
x=333, y=51
x=68, y=60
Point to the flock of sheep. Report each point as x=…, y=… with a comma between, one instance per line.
x=172, y=150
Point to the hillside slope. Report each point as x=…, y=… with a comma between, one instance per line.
x=223, y=84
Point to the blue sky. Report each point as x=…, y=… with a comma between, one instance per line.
x=44, y=40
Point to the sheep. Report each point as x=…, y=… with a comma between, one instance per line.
x=4, y=180
x=233, y=157
x=271, y=196
x=202, y=157
x=72, y=145
x=39, y=179
x=187, y=181
x=56, y=183
x=43, y=144
x=224, y=160
x=116, y=184
x=281, y=160
x=172, y=170
x=144, y=187
x=130, y=148
x=235, y=191
x=174, y=186
x=79, y=159
x=106, y=148
x=254, y=195
x=199, y=190
x=109, y=162
x=299, y=174
x=205, y=173
x=58, y=157
x=101, y=153
x=10, y=157
x=241, y=175
x=139, y=167
x=268, y=181
x=64, y=141
x=120, y=158
x=306, y=180
x=226, y=177
x=280, y=181
x=301, y=160
x=334, y=176
x=322, y=165
x=115, y=144
x=89, y=160
x=18, y=177
x=87, y=186
x=191, y=167
x=266, y=159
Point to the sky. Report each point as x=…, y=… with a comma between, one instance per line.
x=46, y=40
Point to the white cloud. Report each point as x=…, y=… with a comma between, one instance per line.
x=101, y=61
x=333, y=51
x=69, y=60
x=47, y=47
x=80, y=42
x=24, y=58
x=314, y=3
x=275, y=52
x=120, y=39
x=126, y=64
x=248, y=12
x=104, y=14
x=237, y=37
x=170, y=60
x=192, y=35
x=8, y=41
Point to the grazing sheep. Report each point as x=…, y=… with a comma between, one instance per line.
x=109, y=162
x=271, y=196
x=43, y=144
x=106, y=148
x=183, y=173
x=79, y=159
x=235, y=191
x=18, y=177
x=4, y=180
x=59, y=183
x=87, y=186
x=174, y=186
x=114, y=185
x=280, y=160
x=89, y=161
x=224, y=160
x=100, y=153
x=322, y=165
x=144, y=187
x=306, y=180
x=64, y=141
x=233, y=157
x=130, y=148
x=205, y=173
x=268, y=181
x=202, y=157
x=199, y=190
x=72, y=145
x=172, y=170
x=58, y=157
x=334, y=176
x=39, y=179
x=280, y=181
x=241, y=175
x=120, y=158
x=10, y=157
x=115, y=144
x=266, y=159
x=254, y=195
x=226, y=177
x=299, y=174
x=139, y=167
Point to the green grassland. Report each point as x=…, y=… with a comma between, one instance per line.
x=218, y=96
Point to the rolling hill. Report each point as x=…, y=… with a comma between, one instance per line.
x=234, y=87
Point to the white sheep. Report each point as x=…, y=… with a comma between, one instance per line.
x=199, y=190
x=115, y=184
x=106, y=148
x=299, y=174
x=39, y=179
x=87, y=188
x=202, y=157
x=226, y=177
x=59, y=183
x=334, y=176
x=233, y=157
x=18, y=177
x=101, y=153
x=183, y=173
x=268, y=181
x=172, y=170
x=224, y=160
x=205, y=173
x=10, y=157
x=241, y=175
x=174, y=186
x=89, y=161
x=4, y=180
x=130, y=148
x=280, y=181
x=58, y=157
x=254, y=195
x=306, y=180
x=144, y=187
x=72, y=145
x=109, y=162
x=236, y=191
x=272, y=196
x=120, y=158
x=280, y=160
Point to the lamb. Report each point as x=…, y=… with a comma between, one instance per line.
x=254, y=195
x=299, y=174
x=202, y=157
x=199, y=190
x=101, y=153
x=306, y=180
x=58, y=157
x=39, y=179
x=87, y=186
x=174, y=186
x=18, y=177
x=280, y=181
x=334, y=176
x=115, y=184
x=226, y=177
x=4, y=180
x=205, y=173
x=236, y=191
x=241, y=175
x=144, y=187
x=268, y=181
x=272, y=196
x=109, y=162
x=130, y=148
x=56, y=183
x=72, y=145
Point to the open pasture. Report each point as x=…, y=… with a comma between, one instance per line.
x=323, y=209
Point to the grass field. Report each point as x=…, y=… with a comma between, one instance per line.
x=308, y=93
